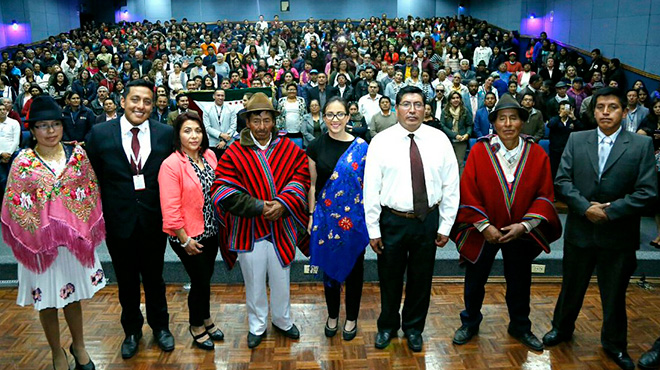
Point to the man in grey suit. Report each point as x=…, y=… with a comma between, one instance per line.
x=607, y=177
x=220, y=123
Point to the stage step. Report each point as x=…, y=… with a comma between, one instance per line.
x=446, y=262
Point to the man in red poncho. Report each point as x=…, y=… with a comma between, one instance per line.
x=260, y=191
x=506, y=203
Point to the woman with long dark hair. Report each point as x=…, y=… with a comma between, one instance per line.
x=337, y=227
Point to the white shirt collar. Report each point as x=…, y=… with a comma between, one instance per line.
x=509, y=155
x=601, y=135
x=256, y=142
x=126, y=126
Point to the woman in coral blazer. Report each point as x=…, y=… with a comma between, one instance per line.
x=185, y=181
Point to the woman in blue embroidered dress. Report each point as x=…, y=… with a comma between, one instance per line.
x=337, y=227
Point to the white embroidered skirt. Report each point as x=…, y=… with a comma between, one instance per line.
x=66, y=281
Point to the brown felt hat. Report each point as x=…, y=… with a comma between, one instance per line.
x=508, y=102
x=259, y=102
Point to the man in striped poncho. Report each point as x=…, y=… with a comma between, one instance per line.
x=260, y=192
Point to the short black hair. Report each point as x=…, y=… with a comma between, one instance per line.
x=534, y=78
x=138, y=83
x=190, y=115
x=410, y=90
x=609, y=91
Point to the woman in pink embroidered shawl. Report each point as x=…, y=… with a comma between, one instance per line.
x=53, y=222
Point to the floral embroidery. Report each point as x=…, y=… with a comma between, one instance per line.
x=328, y=202
x=346, y=223
x=355, y=166
x=335, y=176
x=34, y=185
x=349, y=158
x=97, y=277
x=36, y=295
x=347, y=209
x=339, y=193
x=330, y=235
x=335, y=215
x=67, y=290
x=357, y=199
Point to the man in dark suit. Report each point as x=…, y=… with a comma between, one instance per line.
x=109, y=111
x=551, y=71
x=141, y=64
x=607, y=178
x=321, y=92
x=126, y=154
x=343, y=89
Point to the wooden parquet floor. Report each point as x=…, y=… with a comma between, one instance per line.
x=23, y=346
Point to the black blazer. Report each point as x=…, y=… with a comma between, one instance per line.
x=559, y=133
x=349, y=94
x=313, y=93
x=628, y=183
x=123, y=207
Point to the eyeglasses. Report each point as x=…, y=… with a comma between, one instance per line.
x=46, y=127
x=408, y=105
x=332, y=116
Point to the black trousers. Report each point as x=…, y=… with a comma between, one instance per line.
x=410, y=249
x=613, y=269
x=200, y=270
x=517, y=256
x=140, y=256
x=353, y=286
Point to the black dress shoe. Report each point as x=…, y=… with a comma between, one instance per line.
x=206, y=344
x=528, y=339
x=215, y=333
x=621, y=358
x=130, y=345
x=79, y=366
x=415, y=341
x=464, y=334
x=164, y=339
x=554, y=337
x=254, y=340
x=349, y=335
x=651, y=358
x=292, y=333
x=383, y=339
x=330, y=332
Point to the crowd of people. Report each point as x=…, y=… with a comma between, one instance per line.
x=361, y=140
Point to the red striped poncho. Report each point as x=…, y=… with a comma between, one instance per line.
x=486, y=196
x=279, y=173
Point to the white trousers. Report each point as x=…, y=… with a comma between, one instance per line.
x=263, y=262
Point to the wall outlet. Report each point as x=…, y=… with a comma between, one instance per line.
x=538, y=269
x=310, y=270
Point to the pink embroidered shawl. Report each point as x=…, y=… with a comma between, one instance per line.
x=41, y=212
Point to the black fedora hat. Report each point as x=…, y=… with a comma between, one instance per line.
x=508, y=102
x=44, y=108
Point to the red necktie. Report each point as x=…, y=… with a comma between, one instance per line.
x=135, y=146
x=420, y=198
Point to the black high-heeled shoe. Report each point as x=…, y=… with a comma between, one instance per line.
x=215, y=335
x=206, y=344
x=79, y=366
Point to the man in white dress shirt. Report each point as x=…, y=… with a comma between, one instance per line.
x=10, y=137
x=411, y=195
x=369, y=104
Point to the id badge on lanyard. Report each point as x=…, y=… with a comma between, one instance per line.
x=138, y=178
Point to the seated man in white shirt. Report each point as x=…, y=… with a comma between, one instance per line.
x=10, y=136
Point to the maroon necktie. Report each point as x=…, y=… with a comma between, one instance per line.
x=420, y=198
x=135, y=146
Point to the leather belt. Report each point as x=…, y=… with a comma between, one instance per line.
x=409, y=214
